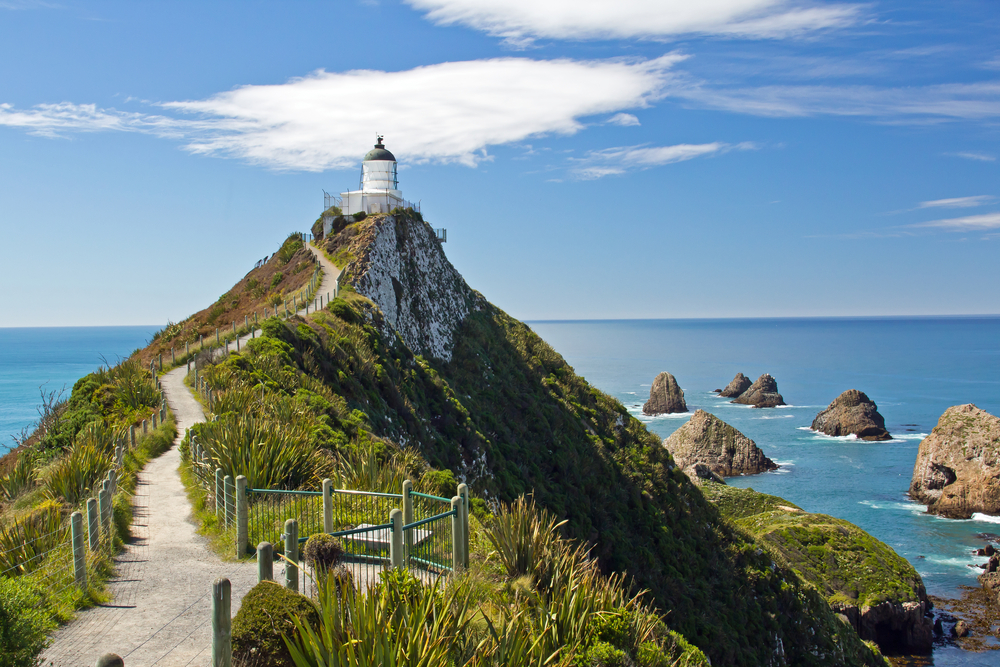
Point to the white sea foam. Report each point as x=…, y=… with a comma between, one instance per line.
x=785, y=464
x=960, y=563
x=903, y=437
x=988, y=518
x=631, y=392
x=777, y=417
x=915, y=508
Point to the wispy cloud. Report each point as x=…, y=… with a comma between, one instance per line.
x=521, y=21
x=623, y=119
x=980, y=157
x=611, y=161
x=958, y=202
x=450, y=112
x=965, y=224
x=973, y=101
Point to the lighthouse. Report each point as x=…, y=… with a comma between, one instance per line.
x=379, y=188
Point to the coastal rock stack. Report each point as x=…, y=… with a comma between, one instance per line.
x=739, y=385
x=761, y=394
x=709, y=440
x=665, y=396
x=852, y=413
x=957, y=472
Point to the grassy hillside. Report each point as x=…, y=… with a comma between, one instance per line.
x=545, y=431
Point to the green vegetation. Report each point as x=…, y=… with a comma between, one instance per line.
x=291, y=246
x=508, y=400
x=846, y=564
x=266, y=616
x=51, y=476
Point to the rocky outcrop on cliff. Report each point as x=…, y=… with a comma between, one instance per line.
x=957, y=471
x=761, y=394
x=709, y=440
x=665, y=396
x=872, y=587
x=398, y=263
x=852, y=413
x=739, y=385
x=699, y=473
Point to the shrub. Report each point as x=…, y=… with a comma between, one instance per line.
x=265, y=617
x=20, y=477
x=439, y=483
x=75, y=476
x=343, y=310
x=277, y=278
x=359, y=216
x=23, y=623
x=323, y=551
x=603, y=654
x=25, y=539
x=317, y=229
x=291, y=246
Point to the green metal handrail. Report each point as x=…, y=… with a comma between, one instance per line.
x=436, y=517
x=429, y=496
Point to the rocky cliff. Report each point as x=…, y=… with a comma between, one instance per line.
x=739, y=384
x=665, y=396
x=852, y=413
x=873, y=588
x=957, y=471
x=707, y=439
x=397, y=264
x=761, y=394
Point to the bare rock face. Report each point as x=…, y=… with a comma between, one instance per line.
x=739, y=385
x=399, y=264
x=761, y=394
x=957, y=471
x=897, y=627
x=665, y=396
x=699, y=473
x=709, y=440
x=852, y=413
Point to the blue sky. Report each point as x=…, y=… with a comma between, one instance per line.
x=635, y=159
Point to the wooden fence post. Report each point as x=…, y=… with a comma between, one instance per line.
x=242, y=517
x=222, y=624
x=396, y=541
x=265, y=562
x=407, y=520
x=79, y=555
x=457, y=541
x=93, y=525
x=327, y=505
x=292, y=554
x=463, y=492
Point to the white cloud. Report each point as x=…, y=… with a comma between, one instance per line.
x=958, y=202
x=980, y=157
x=967, y=223
x=618, y=160
x=450, y=112
x=973, y=101
x=520, y=21
x=623, y=119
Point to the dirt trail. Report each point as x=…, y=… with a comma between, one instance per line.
x=160, y=607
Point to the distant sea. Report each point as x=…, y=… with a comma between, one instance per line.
x=53, y=358
x=913, y=369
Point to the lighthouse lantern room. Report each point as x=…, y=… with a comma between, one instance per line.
x=379, y=188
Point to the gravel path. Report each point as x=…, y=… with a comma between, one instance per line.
x=160, y=609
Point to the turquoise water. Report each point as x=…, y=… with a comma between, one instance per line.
x=53, y=358
x=912, y=368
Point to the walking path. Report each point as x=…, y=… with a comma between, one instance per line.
x=160, y=608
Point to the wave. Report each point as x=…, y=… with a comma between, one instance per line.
x=785, y=464
x=988, y=518
x=777, y=417
x=959, y=563
x=903, y=437
x=916, y=508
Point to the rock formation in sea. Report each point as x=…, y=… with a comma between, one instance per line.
x=852, y=413
x=957, y=472
x=665, y=396
x=707, y=439
x=739, y=385
x=761, y=394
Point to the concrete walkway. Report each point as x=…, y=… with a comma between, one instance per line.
x=160, y=612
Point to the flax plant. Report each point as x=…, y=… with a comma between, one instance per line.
x=20, y=477
x=525, y=539
x=74, y=477
x=25, y=540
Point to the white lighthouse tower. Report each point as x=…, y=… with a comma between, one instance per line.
x=379, y=189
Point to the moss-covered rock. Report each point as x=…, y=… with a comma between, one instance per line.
x=879, y=592
x=265, y=616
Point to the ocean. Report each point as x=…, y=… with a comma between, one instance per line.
x=913, y=369
x=47, y=359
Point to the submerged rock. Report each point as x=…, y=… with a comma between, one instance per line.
x=739, y=385
x=709, y=440
x=852, y=413
x=761, y=394
x=665, y=396
x=957, y=472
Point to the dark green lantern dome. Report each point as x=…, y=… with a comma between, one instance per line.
x=379, y=153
